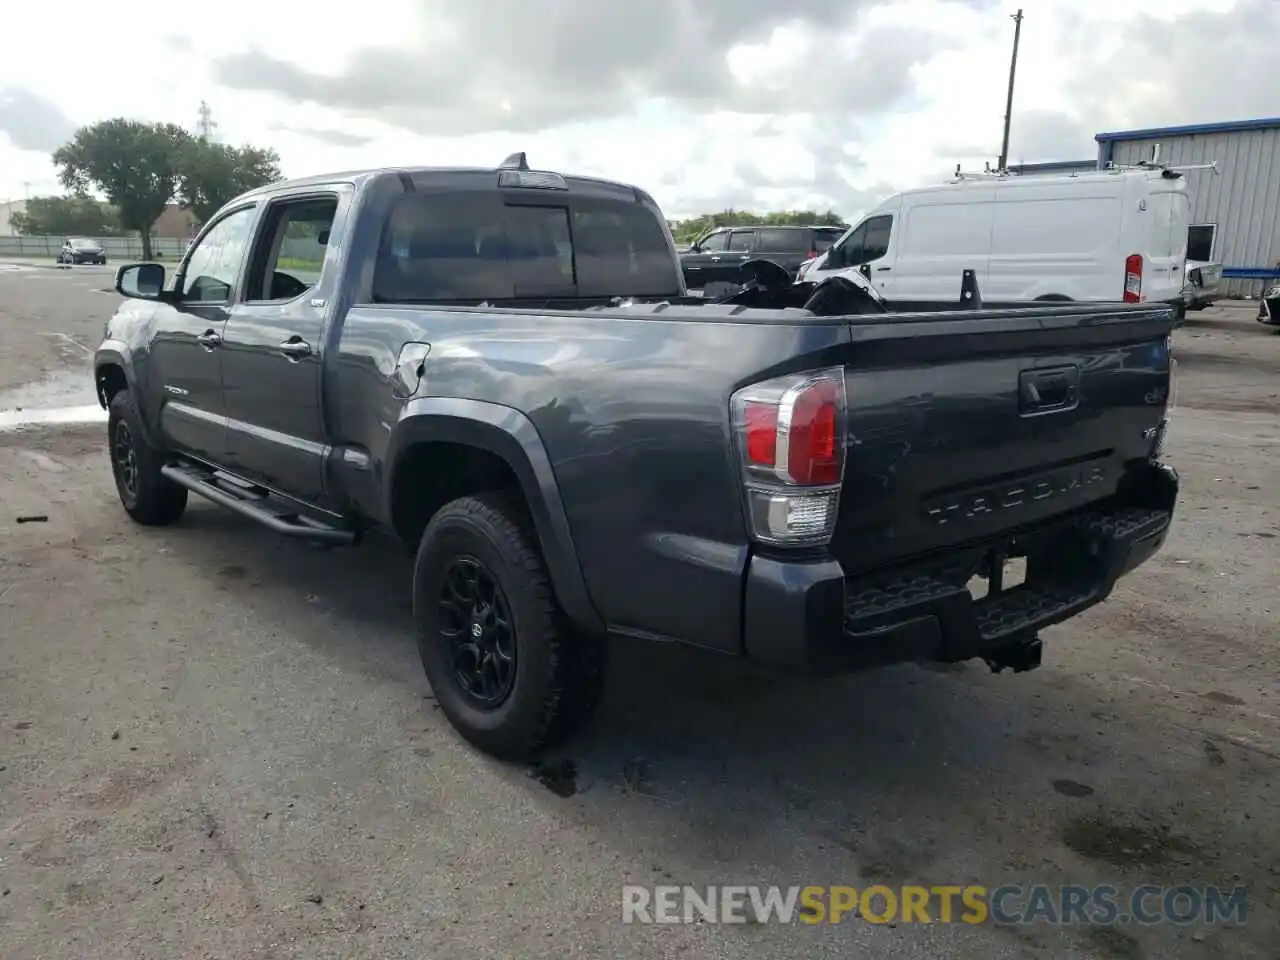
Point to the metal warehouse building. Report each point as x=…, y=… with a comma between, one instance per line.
x=1236, y=212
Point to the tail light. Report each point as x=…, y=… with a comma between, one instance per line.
x=1133, y=278
x=789, y=434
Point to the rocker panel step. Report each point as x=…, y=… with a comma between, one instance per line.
x=254, y=504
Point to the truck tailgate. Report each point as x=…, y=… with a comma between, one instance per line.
x=965, y=429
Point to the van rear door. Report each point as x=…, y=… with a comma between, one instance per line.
x=1167, y=217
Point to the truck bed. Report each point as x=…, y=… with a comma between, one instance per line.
x=945, y=453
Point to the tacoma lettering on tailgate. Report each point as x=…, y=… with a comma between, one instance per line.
x=989, y=500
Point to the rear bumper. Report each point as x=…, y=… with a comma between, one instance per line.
x=808, y=616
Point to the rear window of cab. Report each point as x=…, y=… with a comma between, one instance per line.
x=481, y=245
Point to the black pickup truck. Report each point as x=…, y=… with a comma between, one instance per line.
x=503, y=369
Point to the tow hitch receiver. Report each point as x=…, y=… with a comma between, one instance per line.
x=1020, y=656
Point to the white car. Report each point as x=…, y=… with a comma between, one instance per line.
x=1201, y=287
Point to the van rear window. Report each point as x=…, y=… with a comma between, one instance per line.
x=481, y=246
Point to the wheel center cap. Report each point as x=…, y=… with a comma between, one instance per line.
x=476, y=629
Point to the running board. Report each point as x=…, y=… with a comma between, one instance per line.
x=256, y=504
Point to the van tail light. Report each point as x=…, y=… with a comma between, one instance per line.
x=1133, y=278
x=789, y=435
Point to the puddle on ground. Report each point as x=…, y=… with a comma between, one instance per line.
x=1125, y=845
x=61, y=398
x=66, y=388
x=44, y=416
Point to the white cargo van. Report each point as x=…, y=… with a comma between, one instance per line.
x=1117, y=234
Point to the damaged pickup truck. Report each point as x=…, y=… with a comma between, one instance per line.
x=503, y=369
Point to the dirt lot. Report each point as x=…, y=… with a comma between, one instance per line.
x=214, y=743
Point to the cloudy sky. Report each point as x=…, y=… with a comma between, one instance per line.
x=761, y=104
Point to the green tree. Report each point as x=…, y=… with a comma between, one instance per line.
x=686, y=231
x=136, y=165
x=213, y=173
x=68, y=217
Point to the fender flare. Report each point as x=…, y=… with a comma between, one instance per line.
x=116, y=353
x=510, y=435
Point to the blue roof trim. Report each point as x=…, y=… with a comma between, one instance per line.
x=1229, y=126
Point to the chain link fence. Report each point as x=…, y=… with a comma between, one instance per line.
x=116, y=248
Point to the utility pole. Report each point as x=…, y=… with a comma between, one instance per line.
x=1008, y=106
x=205, y=127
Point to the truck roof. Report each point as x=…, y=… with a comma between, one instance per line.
x=361, y=176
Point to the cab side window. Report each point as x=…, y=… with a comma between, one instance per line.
x=716, y=243
x=212, y=267
x=876, y=244
x=291, y=248
x=742, y=240
x=869, y=242
x=849, y=253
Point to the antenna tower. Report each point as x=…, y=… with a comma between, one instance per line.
x=206, y=125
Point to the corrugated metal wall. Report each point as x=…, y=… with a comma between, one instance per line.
x=1243, y=200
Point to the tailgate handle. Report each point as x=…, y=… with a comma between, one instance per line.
x=1044, y=391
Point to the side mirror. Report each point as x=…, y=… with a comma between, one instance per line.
x=141, y=281
x=865, y=270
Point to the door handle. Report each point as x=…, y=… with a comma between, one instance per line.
x=1042, y=391
x=715, y=259
x=295, y=348
x=883, y=269
x=209, y=340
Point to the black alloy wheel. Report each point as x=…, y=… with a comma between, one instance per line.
x=125, y=459
x=506, y=667
x=476, y=620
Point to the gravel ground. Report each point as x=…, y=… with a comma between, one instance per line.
x=216, y=743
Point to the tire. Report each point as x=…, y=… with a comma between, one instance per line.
x=148, y=496
x=546, y=679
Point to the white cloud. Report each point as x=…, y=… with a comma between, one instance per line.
x=705, y=103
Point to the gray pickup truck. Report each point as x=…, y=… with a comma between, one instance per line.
x=502, y=368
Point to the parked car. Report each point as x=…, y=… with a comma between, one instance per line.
x=504, y=370
x=717, y=255
x=1269, y=306
x=76, y=250
x=1110, y=235
x=1201, y=287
